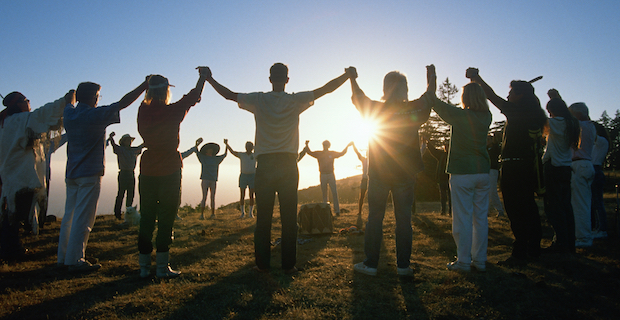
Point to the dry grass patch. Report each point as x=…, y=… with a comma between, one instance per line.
x=216, y=257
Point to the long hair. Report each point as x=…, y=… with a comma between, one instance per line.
x=158, y=90
x=558, y=107
x=474, y=98
x=395, y=87
x=529, y=100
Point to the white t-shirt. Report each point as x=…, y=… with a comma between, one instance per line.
x=248, y=162
x=599, y=152
x=588, y=135
x=277, y=119
x=558, y=148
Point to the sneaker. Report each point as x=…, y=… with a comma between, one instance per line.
x=408, y=272
x=501, y=215
x=599, y=234
x=583, y=243
x=479, y=266
x=84, y=266
x=178, y=217
x=458, y=266
x=362, y=268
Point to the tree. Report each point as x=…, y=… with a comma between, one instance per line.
x=613, y=128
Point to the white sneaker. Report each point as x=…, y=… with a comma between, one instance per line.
x=458, y=266
x=362, y=268
x=404, y=271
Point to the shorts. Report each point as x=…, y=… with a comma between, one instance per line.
x=246, y=180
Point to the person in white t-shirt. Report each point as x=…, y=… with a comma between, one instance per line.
x=276, y=145
x=246, y=177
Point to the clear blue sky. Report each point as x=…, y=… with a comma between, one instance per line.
x=49, y=47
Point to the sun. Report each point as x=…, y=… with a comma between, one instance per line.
x=365, y=130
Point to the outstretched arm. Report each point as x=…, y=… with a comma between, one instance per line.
x=330, y=86
x=223, y=91
x=134, y=94
x=472, y=73
x=228, y=148
x=359, y=155
x=111, y=139
x=343, y=152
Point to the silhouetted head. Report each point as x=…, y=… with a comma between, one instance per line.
x=278, y=73
x=580, y=111
x=474, y=98
x=88, y=93
x=326, y=144
x=126, y=140
x=557, y=108
x=395, y=87
x=249, y=146
x=158, y=91
x=16, y=102
x=210, y=149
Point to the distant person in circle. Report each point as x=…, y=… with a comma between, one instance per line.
x=326, y=159
x=246, y=177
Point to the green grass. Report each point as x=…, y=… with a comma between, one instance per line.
x=216, y=257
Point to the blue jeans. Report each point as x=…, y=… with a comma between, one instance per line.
x=402, y=197
x=276, y=173
x=159, y=200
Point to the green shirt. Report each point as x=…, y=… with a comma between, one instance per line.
x=468, y=138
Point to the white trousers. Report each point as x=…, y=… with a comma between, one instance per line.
x=330, y=179
x=79, y=218
x=581, y=198
x=470, y=207
x=493, y=195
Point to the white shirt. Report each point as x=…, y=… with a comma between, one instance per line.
x=558, y=148
x=248, y=162
x=588, y=135
x=599, y=152
x=277, y=119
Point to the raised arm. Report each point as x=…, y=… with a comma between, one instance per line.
x=359, y=155
x=359, y=99
x=134, y=94
x=343, y=152
x=472, y=73
x=223, y=91
x=228, y=148
x=331, y=86
x=308, y=151
x=111, y=139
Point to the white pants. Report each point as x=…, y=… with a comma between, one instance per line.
x=79, y=219
x=330, y=179
x=493, y=195
x=470, y=207
x=581, y=198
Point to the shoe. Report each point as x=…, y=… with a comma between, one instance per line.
x=500, y=215
x=202, y=217
x=513, y=262
x=178, y=217
x=144, y=260
x=458, y=266
x=212, y=216
x=84, y=266
x=163, y=266
x=599, y=234
x=407, y=272
x=479, y=266
x=583, y=243
x=362, y=268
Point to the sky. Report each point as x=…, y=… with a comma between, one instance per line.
x=49, y=47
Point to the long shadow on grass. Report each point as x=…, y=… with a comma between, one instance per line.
x=376, y=297
x=74, y=304
x=244, y=294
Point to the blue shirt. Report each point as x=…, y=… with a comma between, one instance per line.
x=210, y=166
x=86, y=138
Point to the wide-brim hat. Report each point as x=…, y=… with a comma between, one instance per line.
x=211, y=145
x=126, y=136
